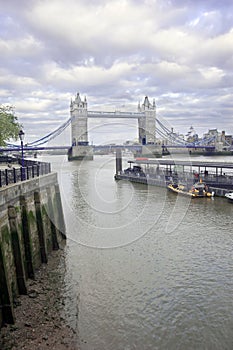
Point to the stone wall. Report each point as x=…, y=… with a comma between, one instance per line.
x=31, y=226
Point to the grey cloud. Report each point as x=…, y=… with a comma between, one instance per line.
x=179, y=52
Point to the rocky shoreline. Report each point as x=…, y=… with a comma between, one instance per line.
x=40, y=324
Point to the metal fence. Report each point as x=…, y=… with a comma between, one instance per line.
x=29, y=170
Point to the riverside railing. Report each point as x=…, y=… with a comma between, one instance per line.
x=31, y=169
x=163, y=178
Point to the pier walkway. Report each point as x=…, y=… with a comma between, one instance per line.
x=160, y=172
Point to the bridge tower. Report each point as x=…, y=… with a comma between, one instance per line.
x=146, y=124
x=147, y=129
x=79, y=130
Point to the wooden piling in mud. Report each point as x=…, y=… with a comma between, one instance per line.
x=31, y=226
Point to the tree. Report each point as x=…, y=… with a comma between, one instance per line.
x=9, y=126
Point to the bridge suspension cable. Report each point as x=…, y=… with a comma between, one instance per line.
x=168, y=134
x=51, y=135
x=161, y=129
x=175, y=139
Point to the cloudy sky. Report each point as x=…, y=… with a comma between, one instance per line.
x=179, y=52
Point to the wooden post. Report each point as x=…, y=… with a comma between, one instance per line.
x=118, y=161
x=61, y=220
x=5, y=299
x=16, y=248
x=26, y=237
x=40, y=227
x=52, y=219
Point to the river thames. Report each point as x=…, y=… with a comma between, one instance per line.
x=146, y=269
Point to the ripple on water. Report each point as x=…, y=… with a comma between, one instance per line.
x=171, y=288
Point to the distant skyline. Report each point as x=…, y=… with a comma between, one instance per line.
x=115, y=53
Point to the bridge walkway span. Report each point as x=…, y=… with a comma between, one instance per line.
x=116, y=114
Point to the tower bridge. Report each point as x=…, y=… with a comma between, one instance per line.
x=149, y=127
x=146, y=116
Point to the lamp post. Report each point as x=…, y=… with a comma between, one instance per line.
x=21, y=136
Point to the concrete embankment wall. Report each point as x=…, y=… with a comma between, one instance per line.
x=31, y=226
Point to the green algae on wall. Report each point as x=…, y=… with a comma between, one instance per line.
x=27, y=235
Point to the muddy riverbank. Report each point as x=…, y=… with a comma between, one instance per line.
x=40, y=317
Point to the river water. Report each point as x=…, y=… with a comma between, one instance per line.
x=146, y=269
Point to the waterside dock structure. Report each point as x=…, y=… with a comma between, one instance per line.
x=160, y=172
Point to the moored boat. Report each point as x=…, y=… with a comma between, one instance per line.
x=229, y=196
x=198, y=190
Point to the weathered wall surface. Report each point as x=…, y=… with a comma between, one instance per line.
x=31, y=225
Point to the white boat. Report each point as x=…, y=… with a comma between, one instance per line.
x=229, y=196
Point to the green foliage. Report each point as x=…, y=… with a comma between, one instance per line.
x=9, y=126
